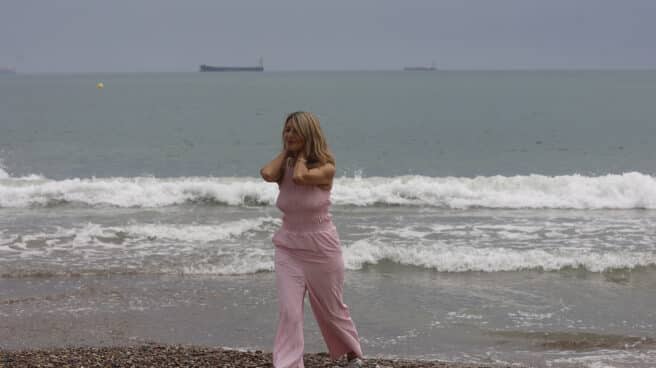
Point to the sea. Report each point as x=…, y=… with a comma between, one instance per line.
x=485, y=216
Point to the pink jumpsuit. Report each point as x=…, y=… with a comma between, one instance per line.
x=308, y=257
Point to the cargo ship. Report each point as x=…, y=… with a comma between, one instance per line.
x=420, y=68
x=210, y=68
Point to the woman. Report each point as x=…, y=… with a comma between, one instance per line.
x=308, y=255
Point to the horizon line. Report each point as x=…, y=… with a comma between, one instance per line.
x=436, y=70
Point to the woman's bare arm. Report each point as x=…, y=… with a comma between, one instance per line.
x=271, y=171
x=322, y=175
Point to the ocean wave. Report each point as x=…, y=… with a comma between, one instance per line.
x=90, y=256
x=622, y=191
x=142, y=192
x=445, y=258
x=96, y=237
x=4, y=175
x=258, y=263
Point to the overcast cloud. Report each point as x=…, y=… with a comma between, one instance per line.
x=168, y=35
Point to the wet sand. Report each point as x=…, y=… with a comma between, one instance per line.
x=401, y=313
x=124, y=321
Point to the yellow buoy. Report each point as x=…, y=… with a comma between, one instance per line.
x=100, y=85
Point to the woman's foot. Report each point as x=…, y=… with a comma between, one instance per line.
x=354, y=361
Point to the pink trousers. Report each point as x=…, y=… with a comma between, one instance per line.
x=323, y=281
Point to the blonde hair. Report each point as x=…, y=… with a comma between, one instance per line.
x=306, y=124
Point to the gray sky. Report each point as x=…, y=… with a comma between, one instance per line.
x=173, y=35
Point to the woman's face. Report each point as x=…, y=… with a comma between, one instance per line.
x=294, y=142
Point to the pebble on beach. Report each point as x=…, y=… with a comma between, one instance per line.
x=154, y=355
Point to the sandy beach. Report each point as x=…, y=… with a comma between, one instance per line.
x=155, y=355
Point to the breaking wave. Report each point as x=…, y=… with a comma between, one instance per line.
x=624, y=191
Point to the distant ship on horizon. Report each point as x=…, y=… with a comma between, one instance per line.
x=420, y=68
x=7, y=70
x=210, y=68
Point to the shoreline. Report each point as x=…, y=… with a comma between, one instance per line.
x=66, y=317
x=162, y=355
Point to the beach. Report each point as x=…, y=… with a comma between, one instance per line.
x=485, y=218
x=123, y=321
x=402, y=313
x=153, y=355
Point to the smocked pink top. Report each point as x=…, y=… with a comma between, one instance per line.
x=306, y=223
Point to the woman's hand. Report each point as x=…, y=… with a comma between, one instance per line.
x=287, y=152
x=320, y=175
x=272, y=171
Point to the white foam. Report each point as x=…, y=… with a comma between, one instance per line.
x=91, y=237
x=243, y=246
x=447, y=258
x=606, y=358
x=629, y=190
x=625, y=191
x=200, y=233
x=5, y=175
x=242, y=266
x=135, y=192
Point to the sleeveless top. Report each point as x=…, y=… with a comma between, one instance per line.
x=306, y=223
